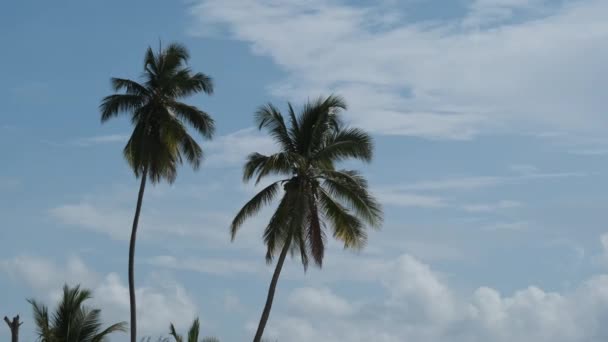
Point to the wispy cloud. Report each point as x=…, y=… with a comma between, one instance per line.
x=402, y=199
x=524, y=174
x=233, y=148
x=507, y=226
x=490, y=207
x=443, y=79
x=89, y=141
x=215, y=266
x=101, y=139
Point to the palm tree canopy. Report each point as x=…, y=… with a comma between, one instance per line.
x=160, y=140
x=314, y=193
x=71, y=321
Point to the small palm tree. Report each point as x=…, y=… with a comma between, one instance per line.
x=315, y=194
x=72, y=321
x=159, y=141
x=193, y=333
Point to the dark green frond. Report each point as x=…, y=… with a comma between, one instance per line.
x=41, y=319
x=198, y=119
x=351, y=188
x=72, y=321
x=194, y=331
x=174, y=333
x=150, y=63
x=315, y=236
x=278, y=230
x=254, y=205
x=318, y=119
x=173, y=57
x=344, y=144
x=294, y=126
x=118, y=327
x=130, y=87
x=186, y=84
x=113, y=105
x=191, y=150
x=259, y=165
x=347, y=228
x=269, y=117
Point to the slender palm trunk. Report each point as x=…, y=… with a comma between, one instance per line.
x=14, y=326
x=133, y=307
x=271, y=290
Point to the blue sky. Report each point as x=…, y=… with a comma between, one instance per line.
x=489, y=120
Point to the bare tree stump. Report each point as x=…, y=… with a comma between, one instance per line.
x=14, y=326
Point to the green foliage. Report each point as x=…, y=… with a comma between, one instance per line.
x=193, y=333
x=160, y=141
x=315, y=194
x=71, y=321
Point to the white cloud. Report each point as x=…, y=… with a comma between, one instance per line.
x=232, y=303
x=215, y=266
x=419, y=305
x=541, y=73
x=232, y=149
x=490, y=207
x=315, y=302
x=42, y=274
x=507, y=226
x=523, y=174
x=160, y=300
x=101, y=139
x=402, y=199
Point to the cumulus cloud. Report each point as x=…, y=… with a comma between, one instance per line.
x=160, y=299
x=420, y=305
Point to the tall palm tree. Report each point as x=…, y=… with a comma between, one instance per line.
x=72, y=321
x=159, y=140
x=315, y=195
x=193, y=333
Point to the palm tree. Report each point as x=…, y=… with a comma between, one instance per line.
x=315, y=194
x=159, y=140
x=72, y=321
x=192, y=333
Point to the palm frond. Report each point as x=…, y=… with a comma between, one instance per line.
x=259, y=165
x=174, y=333
x=315, y=236
x=113, y=105
x=278, y=230
x=264, y=197
x=201, y=121
x=173, y=57
x=130, y=87
x=318, y=118
x=41, y=319
x=351, y=188
x=294, y=126
x=194, y=331
x=347, y=228
x=117, y=327
x=269, y=117
x=344, y=144
x=185, y=83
